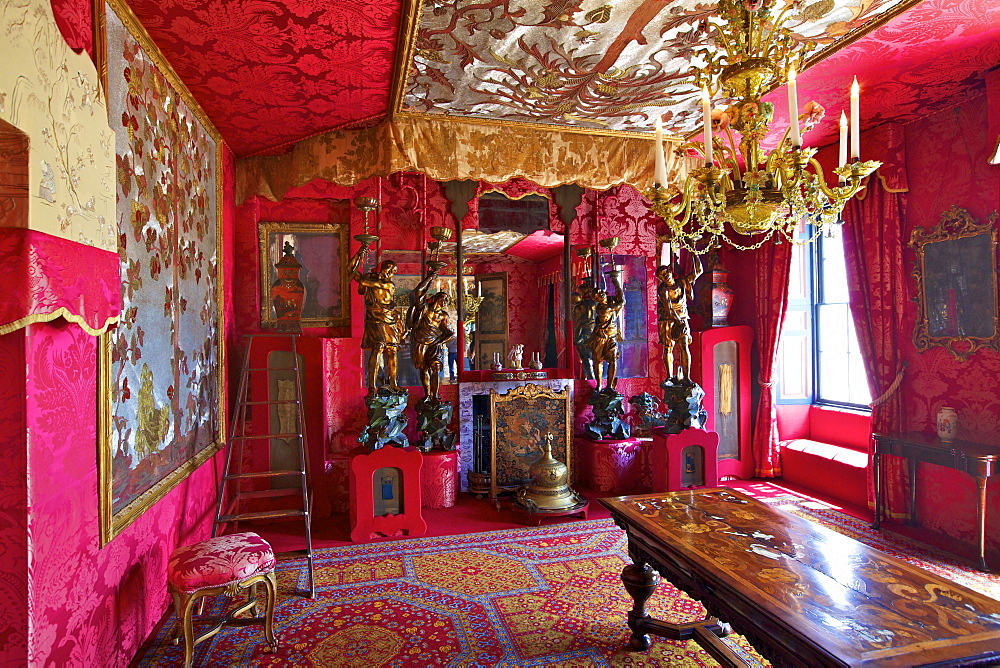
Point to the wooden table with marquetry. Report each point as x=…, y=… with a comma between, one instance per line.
x=802, y=594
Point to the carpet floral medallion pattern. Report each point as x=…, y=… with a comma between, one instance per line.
x=525, y=597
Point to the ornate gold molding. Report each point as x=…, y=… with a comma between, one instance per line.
x=948, y=274
x=61, y=312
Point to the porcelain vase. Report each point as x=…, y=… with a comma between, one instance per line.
x=947, y=424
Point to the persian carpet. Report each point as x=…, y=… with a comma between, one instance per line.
x=542, y=596
x=547, y=596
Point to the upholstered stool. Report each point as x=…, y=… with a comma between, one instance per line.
x=222, y=565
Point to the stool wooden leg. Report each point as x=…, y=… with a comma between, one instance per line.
x=271, y=585
x=184, y=617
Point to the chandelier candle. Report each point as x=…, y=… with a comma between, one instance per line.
x=660, y=169
x=842, y=158
x=855, y=123
x=793, y=108
x=706, y=107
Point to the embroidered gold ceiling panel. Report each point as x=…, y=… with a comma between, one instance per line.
x=589, y=64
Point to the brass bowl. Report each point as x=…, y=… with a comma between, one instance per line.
x=610, y=243
x=366, y=204
x=441, y=233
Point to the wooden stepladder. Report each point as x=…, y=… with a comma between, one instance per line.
x=266, y=473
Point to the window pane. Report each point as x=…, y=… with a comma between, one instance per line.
x=833, y=270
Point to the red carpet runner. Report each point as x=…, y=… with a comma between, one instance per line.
x=525, y=597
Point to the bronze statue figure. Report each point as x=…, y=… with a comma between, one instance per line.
x=428, y=321
x=384, y=329
x=673, y=292
x=583, y=326
x=603, y=342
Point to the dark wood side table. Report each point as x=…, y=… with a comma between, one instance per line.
x=979, y=460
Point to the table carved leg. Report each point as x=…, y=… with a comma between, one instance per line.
x=877, y=474
x=640, y=582
x=981, y=519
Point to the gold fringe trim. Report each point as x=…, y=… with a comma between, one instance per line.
x=61, y=312
x=447, y=151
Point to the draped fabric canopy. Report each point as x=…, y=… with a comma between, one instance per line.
x=447, y=151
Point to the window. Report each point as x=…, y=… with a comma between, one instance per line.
x=819, y=357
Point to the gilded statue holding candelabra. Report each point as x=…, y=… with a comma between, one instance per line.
x=384, y=330
x=427, y=318
x=673, y=290
x=603, y=341
x=430, y=331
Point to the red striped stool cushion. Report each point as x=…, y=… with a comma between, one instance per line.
x=219, y=561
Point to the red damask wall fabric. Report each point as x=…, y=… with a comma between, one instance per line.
x=90, y=606
x=269, y=72
x=873, y=246
x=13, y=502
x=44, y=275
x=946, y=164
x=74, y=19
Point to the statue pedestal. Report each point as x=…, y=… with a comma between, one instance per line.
x=684, y=460
x=439, y=479
x=385, y=494
x=608, y=465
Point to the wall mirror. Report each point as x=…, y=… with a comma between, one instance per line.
x=956, y=274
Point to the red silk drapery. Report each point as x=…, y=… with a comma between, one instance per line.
x=774, y=263
x=873, y=246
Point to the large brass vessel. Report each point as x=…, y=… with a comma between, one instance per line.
x=549, y=491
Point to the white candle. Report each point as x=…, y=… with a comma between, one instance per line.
x=842, y=158
x=793, y=108
x=706, y=107
x=659, y=161
x=855, y=121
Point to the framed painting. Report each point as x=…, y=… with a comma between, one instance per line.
x=321, y=250
x=491, y=319
x=488, y=350
x=519, y=421
x=956, y=276
x=161, y=413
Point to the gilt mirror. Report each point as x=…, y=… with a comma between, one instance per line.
x=956, y=274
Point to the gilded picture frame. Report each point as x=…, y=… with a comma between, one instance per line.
x=321, y=249
x=161, y=408
x=519, y=421
x=956, y=275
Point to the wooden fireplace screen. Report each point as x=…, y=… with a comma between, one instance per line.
x=519, y=421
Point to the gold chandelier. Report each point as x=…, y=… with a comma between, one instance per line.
x=739, y=189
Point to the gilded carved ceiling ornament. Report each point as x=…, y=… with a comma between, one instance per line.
x=956, y=275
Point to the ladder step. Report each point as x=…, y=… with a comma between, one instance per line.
x=263, y=474
x=250, y=437
x=262, y=515
x=271, y=368
x=259, y=403
x=268, y=494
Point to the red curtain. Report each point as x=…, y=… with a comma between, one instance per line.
x=774, y=262
x=873, y=246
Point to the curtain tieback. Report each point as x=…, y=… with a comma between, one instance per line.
x=763, y=383
x=882, y=398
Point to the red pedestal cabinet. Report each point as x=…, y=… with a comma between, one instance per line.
x=720, y=363
x=385, y=494
x=687, y=459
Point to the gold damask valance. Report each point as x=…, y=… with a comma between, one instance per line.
x=447, y=150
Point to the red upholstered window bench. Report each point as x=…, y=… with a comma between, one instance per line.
x=825, y=450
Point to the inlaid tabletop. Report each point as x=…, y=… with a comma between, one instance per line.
x=806, y=581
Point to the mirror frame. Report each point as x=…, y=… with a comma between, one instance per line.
x=956, y=224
